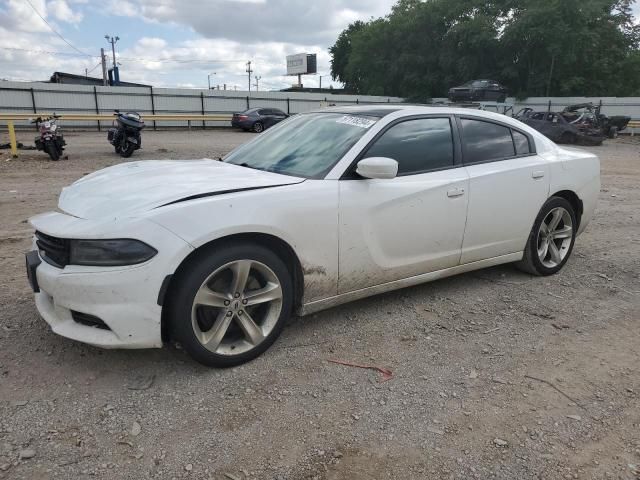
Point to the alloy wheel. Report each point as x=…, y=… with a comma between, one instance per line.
x=236, y=307
x=554, y=237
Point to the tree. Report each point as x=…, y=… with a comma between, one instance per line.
x=534, y=47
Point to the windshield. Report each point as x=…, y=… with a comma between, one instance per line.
x=306, y=145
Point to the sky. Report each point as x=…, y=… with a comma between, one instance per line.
x=177, y=43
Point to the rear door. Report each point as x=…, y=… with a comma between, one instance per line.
x=508, y=184
x=266, y=117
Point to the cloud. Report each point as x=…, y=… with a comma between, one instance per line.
x=228, y=34
x=61, y=11
x=287, y=21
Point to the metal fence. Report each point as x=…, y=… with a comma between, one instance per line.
x=18, y=97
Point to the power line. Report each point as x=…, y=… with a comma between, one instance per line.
x=55, y=31
x=133, y=59
x=48, y=52
x=97, y=65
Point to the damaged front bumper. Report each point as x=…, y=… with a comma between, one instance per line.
x=109, y=307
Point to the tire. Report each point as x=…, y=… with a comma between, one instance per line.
x=613, y=132
x=52, y=150
x=258, y=127
x=213, y=271
x=539, y=256
x=567, y=138
x=127, y=150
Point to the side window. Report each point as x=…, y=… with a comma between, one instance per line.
x=485, y=141
x=521, y=142
x=417, y=145
x=264, y=111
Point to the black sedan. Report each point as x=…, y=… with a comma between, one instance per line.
x=474, y=90
x=257, y=119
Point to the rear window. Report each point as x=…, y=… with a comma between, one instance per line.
x=521, y=142
x=486, y=141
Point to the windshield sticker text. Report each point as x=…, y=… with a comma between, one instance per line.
x=356, y=121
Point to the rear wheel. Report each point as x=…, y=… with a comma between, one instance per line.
x=230, y=304
x=551, y=239
x=613, y=132
x=567, y=137
x=258, y=127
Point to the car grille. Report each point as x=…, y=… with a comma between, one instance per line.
x=54, y=251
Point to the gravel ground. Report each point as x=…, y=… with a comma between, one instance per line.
x=496, y=375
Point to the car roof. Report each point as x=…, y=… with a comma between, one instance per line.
x=410, y=109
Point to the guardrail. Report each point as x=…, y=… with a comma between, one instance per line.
x=221, y=117
x=632, y=125
x=12, y=117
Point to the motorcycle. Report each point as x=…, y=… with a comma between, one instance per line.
x=49, y=139
x=125, y=137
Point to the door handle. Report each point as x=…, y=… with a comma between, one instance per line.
x=537, y=174
x=455, y=192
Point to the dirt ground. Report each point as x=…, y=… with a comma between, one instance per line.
x=497, y=375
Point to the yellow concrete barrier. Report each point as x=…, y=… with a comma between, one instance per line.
x=12, y=140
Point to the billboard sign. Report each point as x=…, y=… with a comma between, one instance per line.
x=301, y=63
x=297, y=64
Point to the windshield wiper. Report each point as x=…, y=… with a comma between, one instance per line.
x=244, y=164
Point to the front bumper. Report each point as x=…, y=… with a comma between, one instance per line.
x=125, y=299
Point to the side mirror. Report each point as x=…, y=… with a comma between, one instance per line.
x=377, y=167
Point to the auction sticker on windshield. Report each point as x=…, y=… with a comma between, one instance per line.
x=361, y=122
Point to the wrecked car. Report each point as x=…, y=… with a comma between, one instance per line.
x=588, y=113
x=580, y=124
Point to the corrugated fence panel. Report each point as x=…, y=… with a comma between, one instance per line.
x=17, y=97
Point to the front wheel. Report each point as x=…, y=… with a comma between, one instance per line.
x=258, y=127
x=229, y=304
x=551, y=239
x=52, y=150
x=127, y=149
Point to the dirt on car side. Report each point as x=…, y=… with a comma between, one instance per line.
x=496, y=374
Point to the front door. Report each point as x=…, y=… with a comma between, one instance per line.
x=397, y=228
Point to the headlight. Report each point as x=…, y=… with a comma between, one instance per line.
x=109, y=253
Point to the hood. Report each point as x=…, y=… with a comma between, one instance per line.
x=136, y=187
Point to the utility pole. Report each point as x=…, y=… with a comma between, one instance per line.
x=116, y=74
x=320, y=82
x=209, y=78
x=103, y=58
x=249, y=72
x=257, y=82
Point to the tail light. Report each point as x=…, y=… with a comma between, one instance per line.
x=242, y=117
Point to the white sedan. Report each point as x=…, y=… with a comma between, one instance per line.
x=324, y=208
